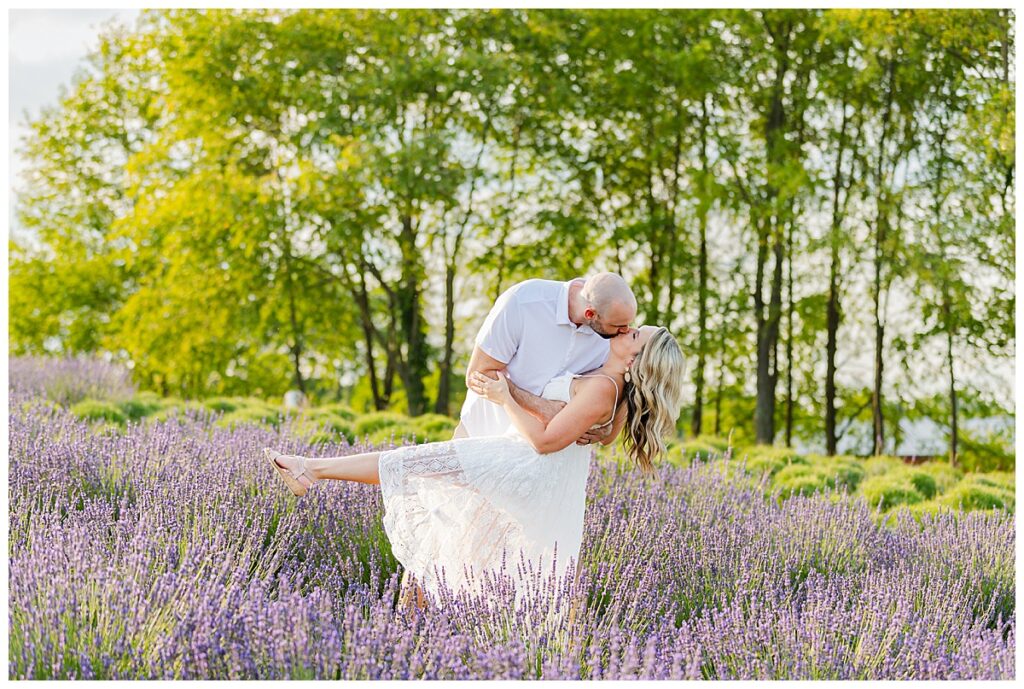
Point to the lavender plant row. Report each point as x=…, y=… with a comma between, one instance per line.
x=170, y=550
x=69, y=379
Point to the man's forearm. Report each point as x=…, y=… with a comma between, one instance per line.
x=527, y=400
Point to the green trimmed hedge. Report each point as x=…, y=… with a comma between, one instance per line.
x=96, y=410
x=369, y=424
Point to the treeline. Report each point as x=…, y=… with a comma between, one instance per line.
x=245, y=201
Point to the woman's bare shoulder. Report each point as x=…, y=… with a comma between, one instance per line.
x=596, y=387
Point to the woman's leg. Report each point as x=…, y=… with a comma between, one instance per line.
x=361, y=468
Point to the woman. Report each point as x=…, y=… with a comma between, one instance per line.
x=472, y=503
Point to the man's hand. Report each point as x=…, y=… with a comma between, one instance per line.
x=595, y=435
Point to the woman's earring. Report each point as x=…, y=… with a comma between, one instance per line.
x=627, y=376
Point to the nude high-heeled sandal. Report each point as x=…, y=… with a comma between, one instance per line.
x=291, y=479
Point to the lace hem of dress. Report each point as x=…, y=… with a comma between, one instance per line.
x=437, y=521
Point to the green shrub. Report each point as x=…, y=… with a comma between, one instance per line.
x=341, y=410
x=997, y=479
x=258, y=401
x=843, y=470
x=701, y=446
x=174, y=407
x=976, y=492
x=433, y=427
x=395, y=433
x=762, y=458
x=150, y=397
x=375, y=421
x=706, y=445
x=328, y=420
x=94, y=410
x=882, y=464
x=917, y=510
x=316, y=421
x=801, y=479
x=987, y=452
x=946, y=476
x=326, y=438
x=720, y=444
x=972, y=497
x=925, y=483
x=222, y=404
x=929, y=507
x=675, y=455
x=250, y=415
x=889, y=490
x=139, y=407
x=898, y=483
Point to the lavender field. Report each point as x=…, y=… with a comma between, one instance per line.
x=170, y=549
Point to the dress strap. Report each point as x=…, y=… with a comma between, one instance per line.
x=616, y=405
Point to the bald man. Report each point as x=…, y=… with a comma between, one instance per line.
x=539, y=329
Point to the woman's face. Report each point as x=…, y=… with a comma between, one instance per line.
x=627, y=345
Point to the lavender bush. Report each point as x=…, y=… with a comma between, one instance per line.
x=169, y=549
x=68, y=380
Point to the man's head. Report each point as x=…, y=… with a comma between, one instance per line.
x=609, y=304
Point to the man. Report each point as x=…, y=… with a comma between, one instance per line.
x=537, y=330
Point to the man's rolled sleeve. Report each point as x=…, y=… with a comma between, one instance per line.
x=502, y=331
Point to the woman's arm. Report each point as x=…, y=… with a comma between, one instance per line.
x=484, y=363
x=585, y=409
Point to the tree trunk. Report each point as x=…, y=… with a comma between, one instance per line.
x=718, y=383
x=702, y=318
x=702, y=282
x=412, y=365
x=764, y=430
x=832, y=326
x=362, y=300
x=443, y=400
x=775, y=323
x=789, y=337
x=896, y=431
x=654, y=272
x=877, y=419
x=947, y=311
x=833, y=313
x=768, y=328
x=441, y=404
x=671, y=235
x=296, y=347
x=953, y=421
x=507, y=225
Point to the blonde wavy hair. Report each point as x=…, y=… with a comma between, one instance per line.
x=653, y=398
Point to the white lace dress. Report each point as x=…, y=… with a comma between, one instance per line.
x=463, y=505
